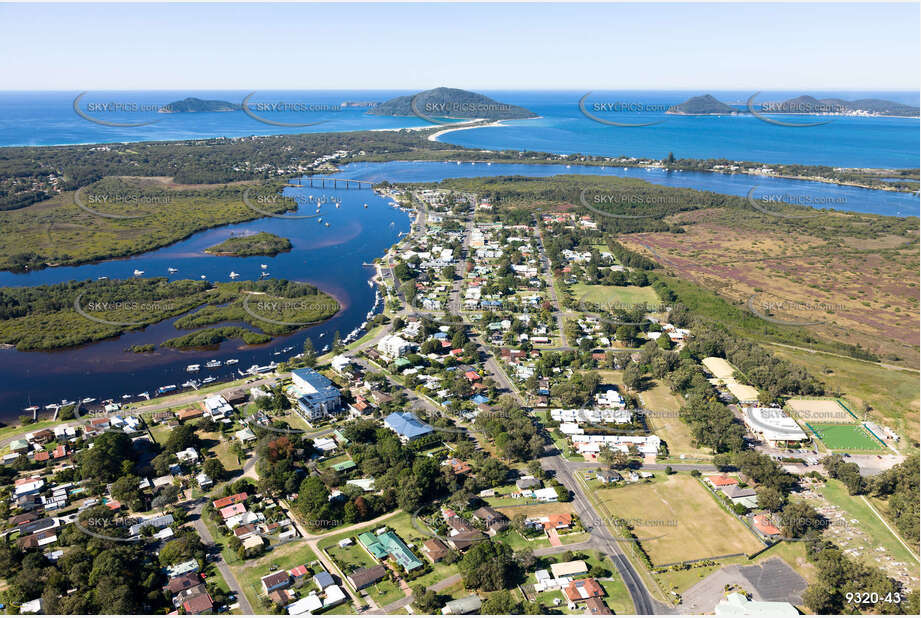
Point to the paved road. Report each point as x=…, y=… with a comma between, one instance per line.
x=601, y=539
x=558, y=313
x=396, y=605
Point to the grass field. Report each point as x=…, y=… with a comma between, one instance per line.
x=285, y=557
x=615, y=295
x=663, y=420
x=846, y=437
x=682, y=521
x=892, y=394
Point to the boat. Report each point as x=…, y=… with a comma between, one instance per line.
x=138, y=273
x=263, y=266
x=366, y=205
x=102, y=278
x=172, y=270
x=208, y=380
x=126, y=396
x=52, y=406
x=32, y=409
x=193, y=368
x=145, y=395
x=202, y=276
x=327, y=224
x=190, y=384
x=263, y=274
x=325, y=348
x=288, y=349
x=252, y=369
x=88, y=400
x=213, y=363
x=231, y=361
x=65, y=402
x=234, y=275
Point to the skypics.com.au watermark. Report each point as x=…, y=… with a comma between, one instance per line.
x=773, y=203
x=284, y=311
x=129, y=205
x=122, y=312
x=308, y=113
x=789, y=313
x=620, y=110
x=597, y=202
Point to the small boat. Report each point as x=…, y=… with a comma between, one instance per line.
x=138, y=273
x=231, y=361
x=126, y=396
x=288, y=349
x=263, y=274
x=327, y=224
x=32, y=409
x=325, y=348
x=366, y=205
x=103, y=278
x=252, y=369
x=234, y=275
x=213, y=363
x=193, y=368
x=65, y=402
x=322, y=334
x=172, y=270
x=203, y=277
x=320, y=220
x=88, y=400
x=263, y=266
x=52, y=406
x=208, y=380
x=144, y=395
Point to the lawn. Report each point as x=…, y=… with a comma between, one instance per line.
x=845, y=437
x=663, y=420
x=678, y=520
x=614, y=296
x=349, y=558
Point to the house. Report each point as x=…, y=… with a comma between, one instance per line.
x=736, y=604
x=340, y=363
x=528, y=482
x=204, y=481
x=189, y=413
x=229, y=500
x=746, y=497
x=316, y=395
x=201, y=604
x=183, y=568
x=333, y=595
x=582, y=589
x=466, y=605
x=765, y=526
x=569, y=569
x=188, y=456
x=31, y=607
x=435, y=550
x=245, y=435
x=281, y=597
x=398, y=550
x=595, y=606
x=19, y=446
x=407, y=426
x=306, y=605
x=183, y=582
x=547, y=494
x=362, y=578
x=323, y=580
x=274, y=581
x=217, y=407
x=721, y=481
x=42, y=436
x=494, y=521
x=608, y=476
x=253, y=542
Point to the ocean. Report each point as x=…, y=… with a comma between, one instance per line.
x=48, y=118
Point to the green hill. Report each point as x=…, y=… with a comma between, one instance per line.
x=191, y=104
x=705, y=104
x=451, y=103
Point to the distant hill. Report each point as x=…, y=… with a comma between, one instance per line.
x=806, y=104
x=191, y=104
x=705, y=104
x=451, y=103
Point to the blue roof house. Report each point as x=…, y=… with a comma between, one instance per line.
x=407, y=426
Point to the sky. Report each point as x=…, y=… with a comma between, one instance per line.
x=486, y=46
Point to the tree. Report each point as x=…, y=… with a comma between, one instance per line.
x=488, y=565
x=214, y=469
x=180, y=438
x=103, y=462
x=310, y=354
x=500, y=603
x=425, y=600
x=771, y=499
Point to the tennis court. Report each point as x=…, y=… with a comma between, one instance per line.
x=845, y=437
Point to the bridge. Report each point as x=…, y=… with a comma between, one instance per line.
x=347, y=183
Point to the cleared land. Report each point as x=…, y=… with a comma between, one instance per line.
x=851, y=279
x=819, y=411
x=682, y=521
x=846, y=437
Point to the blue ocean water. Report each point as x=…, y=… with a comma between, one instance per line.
x=48, y=118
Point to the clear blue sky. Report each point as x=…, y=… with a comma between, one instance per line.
x=416, y=46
